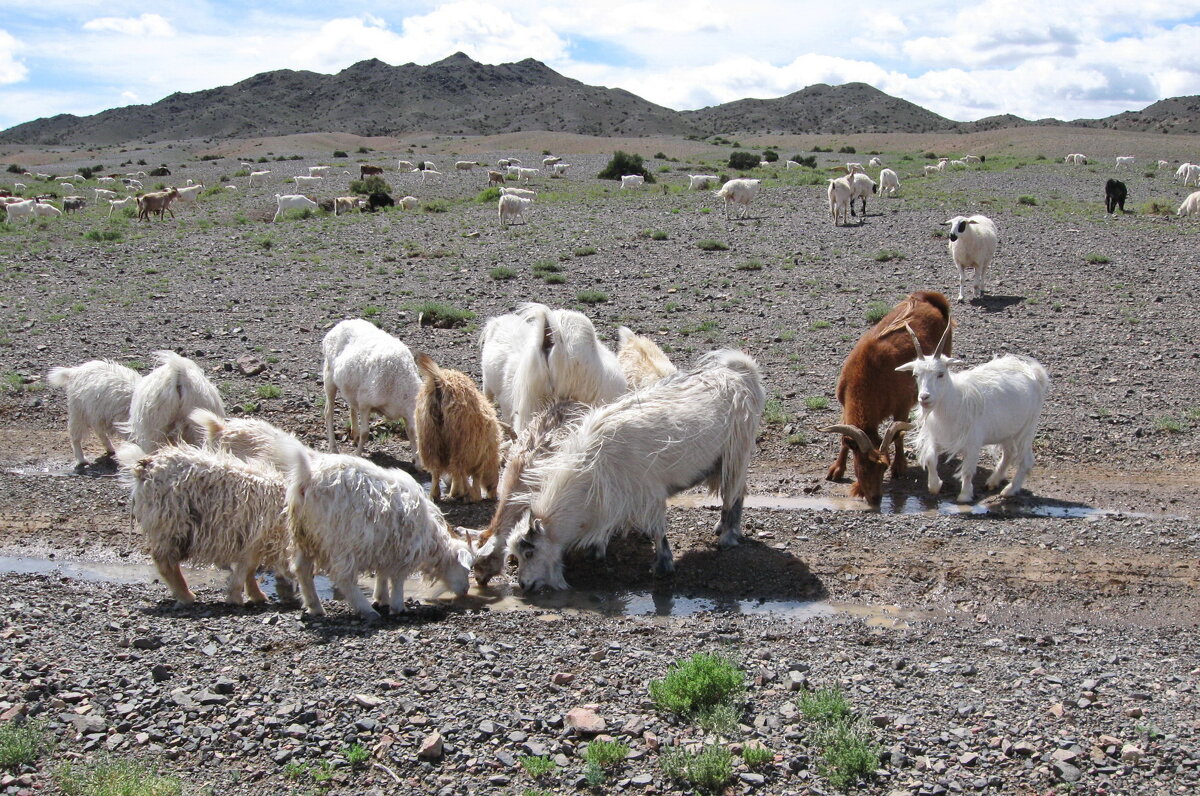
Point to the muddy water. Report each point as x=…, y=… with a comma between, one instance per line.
x=902, y=504
x=663, y=603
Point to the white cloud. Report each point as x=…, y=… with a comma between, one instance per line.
x=145, y=25
x=11, y=70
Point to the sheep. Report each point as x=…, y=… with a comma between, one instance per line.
x=698, y=182
x=1162, y=164
x=163, y=399
x=972, y=160
x=740, y=191
x=524, y=193
x=102, y=193
x=503, y=163
x=292, y=202
x=632, y=181
x=113, y=204
x=73, y=204
x=889, y=182
x=871, y=391
x=641, y=360
x=346, y=515
x=838, y=193
x=1115, y=194
x=619, y=466
x=456, y=433
x=98, y=395
x=209, y=508
x=791, y=164
x=973, y=244
x=996, y=403
x=191, y=193
x=536, y=442
x=1125, y=161
x=875, y=163
x=495, y=178
x=551, y=160
x=404, y=165
x=409, y=203
x=317, y=171
x=511, y=208
x=540, y=355
x=931, y=170
x=527, y=174
x=346, y=203
x=1190, y=206
x=261, y=174
x=861, y=186
x=375, y=372
x=46, y=210
x=365, y=170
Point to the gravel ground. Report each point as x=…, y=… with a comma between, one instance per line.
x=1020, y=648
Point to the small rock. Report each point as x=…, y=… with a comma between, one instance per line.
x=367, y=701
x=1023, y=749
x=1135, y=713
x=250, y=365
x=1131, y=754
x=147, y=642
x=585, y=720
x=431, y=747
x=562, y=678
x=641, y=780
x=1066, y=771
x=223, y=686
x=752, y=779
x=1056, y=710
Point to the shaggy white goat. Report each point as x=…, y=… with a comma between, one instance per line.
x=524, y=193
x=317, y=171
x=375, y=372
x=875, y=163
x=464, y=165
x=642, y=361
x=839, y=193
x=861, y=186
x=931, y=170
x=1162, y=164
x=551, y=160
x=527, y=174
x=560, y=168
x=262, y=175
x=45, y=210
x=409, y=203
x=698, y=182
x=113, y=204
x=347, y=515
x=632, y=181
x=889, y=182
x=1190, y=206
x=16, y=210
x=207, y=508
x=163, y=399
x=973, y=244
x=98, y=395
x=996, y=403
x=739, y=191
x=292, y=202
x=511, y=208
x=307, y=183
x=246, y=438
x=617, y=469
x=404, y=165
x=1125, y=161
x=189, y=194
x=102, y=193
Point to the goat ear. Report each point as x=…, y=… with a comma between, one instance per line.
x=465, y=557
x=907, y=366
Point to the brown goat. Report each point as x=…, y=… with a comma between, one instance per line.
x=495, y=178
x=159, y=203
x=457, y=432
x=870, y=390
x=363, y=171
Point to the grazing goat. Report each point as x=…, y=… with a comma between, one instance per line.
x=973, y=244
x=190, y=194
x=377, y=200
x=208, y=508
x=617, y=469
x=404, y=165
x=158, y=203
x=540, y=438
x=889, y=182
x=741, y=192
x=871, y=391
x=464, y=165
x=551, y=161
x=861, y=186
x=375, y=372
x=698, y=182
x=524, y=193
x=996, y=403
x=1115, y=194
x=511, y=208
x=346, y=204
x=495, y=178
x=1125, y=161
x=529, y=174
x=113, y=204
x=246, y=438
x=316, y=171
x=1190, y=206
x=21, y=209
x=307, y=183
x=163, y=400
x=262, y=174
x=875, y=163
x=365, y=170
x=559, y=169
x=102, y=193
x=98, y=395
x=456, y=433
x=46, y=210
x=409, y=203
x=292, y=202
x=346, y=515
x=73, y=204
x=632, y=181
x=642, y=361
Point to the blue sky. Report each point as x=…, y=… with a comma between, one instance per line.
x=1067, y=59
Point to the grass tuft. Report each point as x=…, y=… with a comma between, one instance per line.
x=887, y=255
x=21, y=743
x=537, y=766
x=591, y=296
x=1031, y=201
x=268, y=391
x=112, y=777
x=606, y=754
x=707, y=770
x=710, y=245
x=697, y=685
x=502, y=272
x=875, y=311
x=441, y=316
x=749, y=265
x=1096, y=259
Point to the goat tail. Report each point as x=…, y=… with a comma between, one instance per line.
x=134, y=461
x=534, y=379
x=210, y=423
x=427, y=367
x=60, y=377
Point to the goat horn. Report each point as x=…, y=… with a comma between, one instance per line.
x=916, y=341
x=895, y=428
x=855, y=433
x=937, y=352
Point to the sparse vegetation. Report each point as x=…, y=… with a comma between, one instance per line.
x=623, y=163
x=847, y=150
x=373, y=183
x=876, y=311
x=591, y=297
x=606, y=754
x=710, y=245
x=21, y=743
x=757, y=755
x=105, y=235
x=268, y=391
x=440, y=316
x=501, y=273
x=749, y=265
x=887, y=255
x=488, y=195
x=816, y=403
x=743, y=161
x=698, y=685
x=848, y=753
x=770, y=156
x=340, y=153
x=584, y=251
x=654, y=234
x=1096, y=259
x=537, y=766
x=1027, y=200
x=707, y=770
x=113, y=777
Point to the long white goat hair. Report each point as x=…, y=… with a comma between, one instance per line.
x=642, y=361
x=246, y=438
x=162, y=401
x=98, y=396
x=500, y=340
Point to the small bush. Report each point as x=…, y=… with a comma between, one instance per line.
x=374, y=183
x=13, y=168
x=743, y=161
x=111, y=777
x=542, y=267
x=435, y=205
x=654, y=234
x=848, y=754
x=537, y=766
x=822, y=149
x=1097, y=259
x=707, y=771
x=816, y=403
x=501, y=272
x=623, y=163
x=340, y=153
x=710, y=245
x=21, y=743
x=554, y=279
x=268, y=391
x=770, y=155
x=488, y=195
x=584, y=251
x=660, y=155
x=606, y=754
x=756, y=755
x=1027, y=200
x=808, y=161
x=362, y=150
x=103, y=235
x=697, y=684
x=875, y=311
x=357, y=755
x=848, y=150
x=591, y=297
x=774, y=414
x=930, y=155
x=441, y=316
x=824, y=705
x=242, y=173
x=749, y=265
x=887, y=255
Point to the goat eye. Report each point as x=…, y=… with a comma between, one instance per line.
x=941, y=375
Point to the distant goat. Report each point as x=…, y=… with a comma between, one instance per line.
x=98, y=396
x=1114, y=196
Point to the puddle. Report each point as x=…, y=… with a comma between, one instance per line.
x=902, y=504
x=660, y=603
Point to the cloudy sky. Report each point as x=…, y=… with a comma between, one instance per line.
x=1062, y=58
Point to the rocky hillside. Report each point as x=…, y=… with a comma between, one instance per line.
x=1173, y=115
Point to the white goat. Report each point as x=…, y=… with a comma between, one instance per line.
x=404, y=165
x=409, y=203
x=1191, y=174
x=464, y=165
x=16, y=210
x=641, y=360
x=189, y=194
x=861, y=186
x=429, y=165
x=113, y=204
x=317, y=171
x=560, y=168
x=617, y=469
x=889, y=182
x=346, y=204
x=524, y=193
x=1162, y=164
x=551, y=160
x=98, y=395
x=527, y=174
x=101, y=193
x=248, y=439
x=838, y=193
x=740, y=191
x=996, y=403
x=972, y=160
x=46, y=210
x=261, y=174
x=375, y=372
x=427, y=173
x=511, y=208
x=875, y=163
x=791, y=164
x=163, y=399
x=973, y=243
x=292, y=202
x=347, y=516
x=1190, y=206
x=931, y=170
x=957, y=164
x=632, y=181
x=1125, y=161
x=307, y=183
x=698, y=182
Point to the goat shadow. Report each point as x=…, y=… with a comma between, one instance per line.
x=909, y=495
x=995, y=303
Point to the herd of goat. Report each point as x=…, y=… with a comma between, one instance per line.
x=575, y=443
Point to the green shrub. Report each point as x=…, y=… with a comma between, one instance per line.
x=356, y=755
x=1027, y=200
x=887, y=255
x=362, y=150
x=213, y=190
x=623, y=163
x=13, y=168
x=112, y=777
x=374, y=183
x=537, y=766
x=502, y=272
x=697, y=684
x=875, y=311
x=268, y=391
x=808, y=161
x=660, y=155
x=441, y=316
x=108, y=235
x=21, y=743
x=606, y=754
x=756, y=755
x=654, y=234
x=848, y=754
x=710, y=245
x=774, y=414
x=488, y=195
x=584, y=251
x=707, y=771
x=435, y=205
x=743, y=161
x=749, y=265
x=340, y=153
x=770, y=155
x=542, y=267
x=848, y=150
x=824, y=705
x=816, y=402
x=242, y=173
x=822, y=149
x=591, y=297
x=1096, y=259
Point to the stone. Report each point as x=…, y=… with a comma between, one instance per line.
x=431, y=747
x=1067, y=772
x=1131, y=754
x=585, y=720
x=223, y=686
x=367, y=701
x=1023, y=749
x=562, y=678
x=250, y=365
x=1135, y=713
x=1056, y=710
x=641, y=780
x=147, y=642
x=752, y=779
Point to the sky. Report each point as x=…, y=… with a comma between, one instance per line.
x=1063, y=58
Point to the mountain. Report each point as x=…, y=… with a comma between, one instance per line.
x=820, y=108
x=458, y=95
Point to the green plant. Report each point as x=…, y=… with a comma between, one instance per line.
x=502, y=272
x=623, y=163
x=357, y=755
x=770, y=155
x=1096, y=259
x=743, y=161
x=816, y=402
x=584, y=251
x=13, y=168
x=654, y=234
x=487, y=195
x=824, y=705
x=697, y=684
x=21, y=743
x=340, y=153
x=112, y=777
x=1027, y=200
x=876, y=311
x=435, y=205
x=373, y=183
x=848, y=753
x=797, y=439
x=250, y=407
x=441, y=316
x=749, y=265
x=268, y=391
x=887, y=255
x=594, y=775
x=808, y=161
x=847, y=150
x=819, y=325
x=710, y=245
x=537, y=766
x=554, y=279
x=536, y=792
x=707, y=770
x=1169, y=425
x=108, y=235
x=591, y=297
x=606, y=754
x=756, y=755
x=774, y=414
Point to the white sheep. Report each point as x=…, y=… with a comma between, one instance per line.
x=524, y=193
x=632, y=181
x=346, y=516
x=973, y=243
x=163, y=399
x=889, y=182
x=511, y=208
x=1125, y=161
x=617, y=468
x=307, y=183
x=1190, y=206
x=409, y=203
x=838, y=193
x=374, y=372
x=292, y=202
x=98, y=395
x=875, y=163
x=740, y=191
x=464, y=165
x=698, y=182
x=996, y=403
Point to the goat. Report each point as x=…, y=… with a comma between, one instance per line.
x=189, y=194
x=889, y=182
x=316, y=171
x=512, y=207
x=307, y=183
x=377, y=200
x=113, y=204
x=1115, y=194
x=158, y=203
x=404, y=165
x=262, y=174
x=73, y=204
x=1190, y=206
x=641, y=360
x=346, y=515
x=524, y=193
x=996, y=403
x=839, y=193
x=464, y=165
x=1125, y=161
x=741, y=192
x=292, y=202
x=98, y=395
x=698, y=182
x=247, y=438
x=163, y=399
x=871, y=391
x=409, y=203
x=456, y=432
x=973, y=244
x=102, y=193
x=632, y=181
x=495, y=178
x=619, y=466
x=365, y=170
x=22, y=209
x=346, y=204
x=861, y=186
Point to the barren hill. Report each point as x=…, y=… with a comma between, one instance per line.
x=1172, y=115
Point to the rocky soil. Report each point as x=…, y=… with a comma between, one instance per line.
x=1043, y=644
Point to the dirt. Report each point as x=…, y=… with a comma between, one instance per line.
x=1094, y=571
